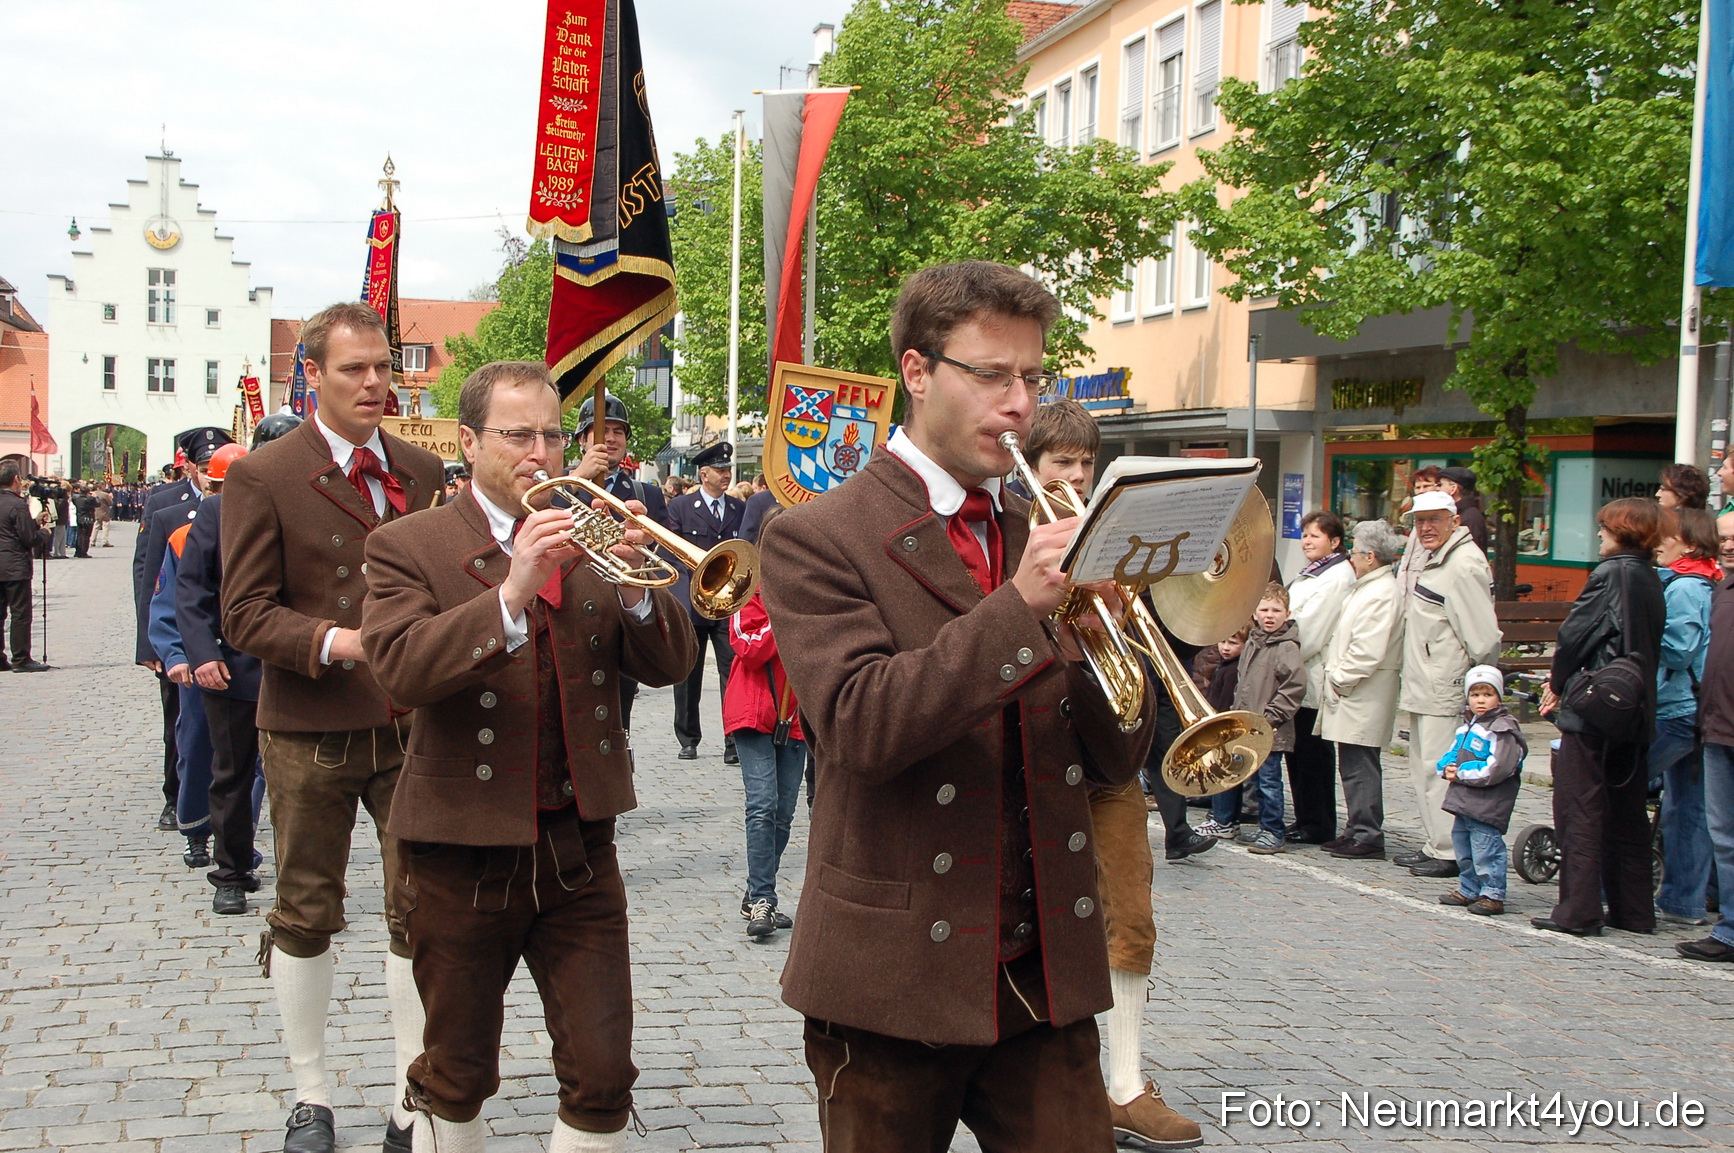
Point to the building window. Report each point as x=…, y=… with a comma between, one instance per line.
x=1039, y=116
x=415, y=357
x=1170, y=73
x=1282, y=54
x=1132, y=97
x=159, y=375
x=1063, y=113
x=1159, y=281
x=108, y=312
x=160, y=296
x=210, y=378
x=1207, y=68
x=1089, y=97
x=1197, y=276
x=1125, y=301
x=213, y=318
x=108, y=374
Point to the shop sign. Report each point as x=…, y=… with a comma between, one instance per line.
x=1099, y=391
x=1353, y=393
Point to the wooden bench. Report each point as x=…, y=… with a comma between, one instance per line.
x=1534, y=625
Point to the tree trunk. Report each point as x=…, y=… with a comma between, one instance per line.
x=1506, y=523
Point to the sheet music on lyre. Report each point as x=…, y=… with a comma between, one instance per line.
x=1154, y=517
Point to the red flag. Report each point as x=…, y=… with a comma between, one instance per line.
x=799, y=126
x=379, y=288
x=40, y=440
x=597, y=194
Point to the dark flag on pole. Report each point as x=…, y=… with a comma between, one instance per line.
x=597, y=194
x=379, y=282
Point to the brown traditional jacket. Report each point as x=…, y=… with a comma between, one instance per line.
x=436, y=641
x=293, y=531
x=903, y=669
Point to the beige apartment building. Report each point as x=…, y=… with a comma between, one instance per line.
x=1170, y=373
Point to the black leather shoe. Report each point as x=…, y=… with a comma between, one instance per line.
x=310, y=1130
x=689, y=752
x=1708, y=949
x=396, y=1140
x=166, y=821
x=1553, y=926
x=1433, y=868
x=230, y=900
x=198, y=855
x=1191, y=845
x=32, y=667
x=1409, y=860
x=782, y=919
x=730, y=757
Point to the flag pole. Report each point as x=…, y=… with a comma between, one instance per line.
x=1686, y=391
x=735, y=282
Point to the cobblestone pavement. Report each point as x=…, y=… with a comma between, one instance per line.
x=132, y=1019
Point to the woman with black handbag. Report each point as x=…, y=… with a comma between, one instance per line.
x=1602, y=691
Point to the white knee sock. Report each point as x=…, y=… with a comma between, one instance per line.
x=433, y=1135
x=569, y=1140
x=408, y=1020
x=303, y=987
x=1125, y=1035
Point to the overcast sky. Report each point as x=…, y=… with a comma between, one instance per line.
x=285, y=112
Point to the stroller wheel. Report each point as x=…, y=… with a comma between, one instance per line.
x=1536, y=853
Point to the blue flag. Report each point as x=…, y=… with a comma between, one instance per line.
x=301, y=401
x=1716, y=175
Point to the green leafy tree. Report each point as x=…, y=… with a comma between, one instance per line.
x=518, y=330
x=1521, y=162
x=932, y=162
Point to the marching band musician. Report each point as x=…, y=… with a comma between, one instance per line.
x=1062, y=446
x=706, y=516
x=296, y=515
x=950, y=958
x=512, y=652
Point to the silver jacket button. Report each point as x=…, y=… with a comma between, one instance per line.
x=910, y=544
x=590, y=608
x=493, y=641
x=486, y=736
x=601, y=712
x=342, y=602
x=1025, y=656
x=342, y=570
x=566, y=787
x=595, y=643
x=605, y=746
x=1077, y=841
x=338, y=541
x=322, y=480
x=489, y=700
x=1007, y=672
x=947, y=793
x=598, y=677
x=348, y=664
x=940, y=931
x=479, y=563
x=476, y=654
x=484, y=773
x=942, y=863
x=1084, y=907
x=1074, y=774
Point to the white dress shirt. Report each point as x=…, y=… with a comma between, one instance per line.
x=342, y=452
x=944, y=494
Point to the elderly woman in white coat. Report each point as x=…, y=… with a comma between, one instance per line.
x=1315, y=602
x=1362, y=665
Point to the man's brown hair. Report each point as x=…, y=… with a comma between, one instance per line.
x=476, y=397
x=354, y=315
x=1061, y=424
x=936, y=300
x=1275, y=592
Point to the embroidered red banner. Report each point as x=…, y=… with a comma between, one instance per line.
x=255, y=402
x=573, y=60
x=379, y=289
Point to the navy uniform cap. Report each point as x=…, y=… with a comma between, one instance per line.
x=199, y=443
x=719, y=455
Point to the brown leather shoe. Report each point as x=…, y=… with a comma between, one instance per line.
x=1148, y=1123
x=1487, y=907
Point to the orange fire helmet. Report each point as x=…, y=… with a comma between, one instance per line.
x=218, y=466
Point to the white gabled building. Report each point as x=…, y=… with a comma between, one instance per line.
x=152, y=328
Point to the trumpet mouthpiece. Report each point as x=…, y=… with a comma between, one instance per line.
x=1008, y=439
x=541, y=475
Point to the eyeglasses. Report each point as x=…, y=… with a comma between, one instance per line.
x=1038, y=383
x=525, y=438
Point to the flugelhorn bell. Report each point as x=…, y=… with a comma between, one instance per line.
x=723, y=579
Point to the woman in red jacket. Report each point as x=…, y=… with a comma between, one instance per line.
x=759, y=712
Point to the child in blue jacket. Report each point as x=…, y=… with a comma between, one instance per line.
x=1482, y=765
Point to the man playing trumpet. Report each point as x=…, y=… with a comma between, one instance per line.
x=950, y=957
x=512, y=652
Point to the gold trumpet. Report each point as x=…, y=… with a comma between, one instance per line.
x=1106, y=650
x=723, y=579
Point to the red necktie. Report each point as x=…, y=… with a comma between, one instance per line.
x=549, y=592
x=363, y=465
x=977, y=508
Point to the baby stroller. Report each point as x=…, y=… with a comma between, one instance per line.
x=1536, y=851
